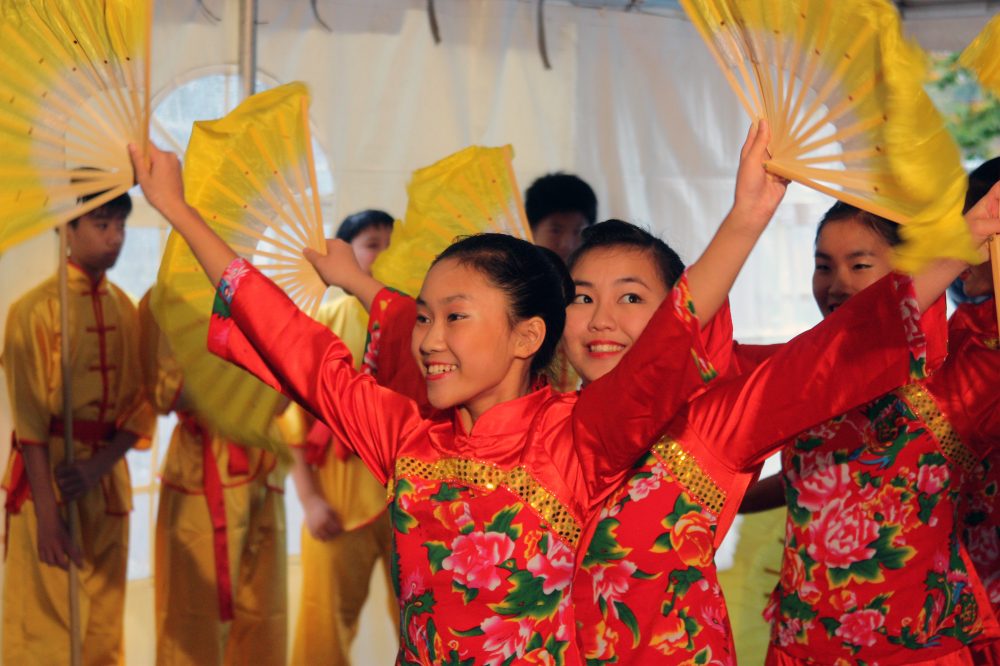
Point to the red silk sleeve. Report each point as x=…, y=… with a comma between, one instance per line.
x=863, y=350
x=266, y=334
x=388, y=357
x=965, y=388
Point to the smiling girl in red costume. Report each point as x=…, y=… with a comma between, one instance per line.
x=648, y=590
x=491, y=492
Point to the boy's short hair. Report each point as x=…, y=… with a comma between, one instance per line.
x=355, y=223
x=119, y=207
x=559, y=193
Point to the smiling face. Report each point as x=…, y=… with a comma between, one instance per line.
x=849, y=257
x=470, y=353
x=618, y=289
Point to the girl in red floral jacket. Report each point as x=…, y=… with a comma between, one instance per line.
x=490, y=492
x=648, y=591
x=874, y=568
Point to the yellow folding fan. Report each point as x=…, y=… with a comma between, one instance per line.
x=74, y=92
x=469, y=192
x=982, y=56
x=843, y=93
x=251, y=176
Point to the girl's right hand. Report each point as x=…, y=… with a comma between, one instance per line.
x=159, y=174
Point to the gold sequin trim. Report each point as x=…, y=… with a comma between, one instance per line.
x=928, y=412
x=688, y=472
x=992, y=343
x=487, y=476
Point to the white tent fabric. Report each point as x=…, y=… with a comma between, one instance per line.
x=633, y=103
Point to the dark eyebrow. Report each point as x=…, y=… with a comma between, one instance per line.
x=853, y=255
x=631, y=280
x=447, y=299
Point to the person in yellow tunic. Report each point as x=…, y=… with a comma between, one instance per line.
x=347, y=528
x=220, y=567
x=110, y=416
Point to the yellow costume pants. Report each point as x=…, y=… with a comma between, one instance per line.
x=189, y=628
x=36, y=596
x=335, y=579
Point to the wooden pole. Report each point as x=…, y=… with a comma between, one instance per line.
x=995, y=263
x=75, y=641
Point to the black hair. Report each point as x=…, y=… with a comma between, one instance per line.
x=118, y=207
x=559, y=193
x=984, y=177
x=886, y=229
x=356, y=223
x=535, y=285
x=618, y=233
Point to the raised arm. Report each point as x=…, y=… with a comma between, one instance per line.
x=256, y=326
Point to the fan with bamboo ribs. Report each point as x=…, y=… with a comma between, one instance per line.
x=843, y=93
x=74, y=92
x=251, y=176
x=469, y=192
x=982, y=56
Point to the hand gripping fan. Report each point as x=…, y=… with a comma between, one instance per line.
x=843, y=93
x=74, y=92
x=251, y=176
x=982, y=56
x=469, y=192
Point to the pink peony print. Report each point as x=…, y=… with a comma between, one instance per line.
x=639, y=488
x=504, y=638
x=841, y=534
x=860, y=627
x=611, y=581
x=820, y=483
x=475, y=556
x=932, y=479
x=555, y=567
x=413, y=585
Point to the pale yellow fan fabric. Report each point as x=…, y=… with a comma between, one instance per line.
x=74, y=92
x=251, y=176
x=843, y=92
x=982, y=56
x=469, y=192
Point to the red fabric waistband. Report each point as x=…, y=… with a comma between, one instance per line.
x=87, y=431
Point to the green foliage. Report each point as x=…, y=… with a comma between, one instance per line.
x=973, y=116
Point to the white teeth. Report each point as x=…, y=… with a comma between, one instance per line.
x=606, y=348
x=440, y=368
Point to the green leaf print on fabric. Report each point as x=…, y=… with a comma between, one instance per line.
x=502, y=522
x=527, y=598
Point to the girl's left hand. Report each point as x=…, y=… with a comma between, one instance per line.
x=338, y=267
x=159, y=175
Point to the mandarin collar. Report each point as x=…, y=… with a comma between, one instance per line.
x=80, y=281
x=506, y=418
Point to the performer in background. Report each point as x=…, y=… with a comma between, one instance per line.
x=347, y=529
x=220, y=565
x=110, y=416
